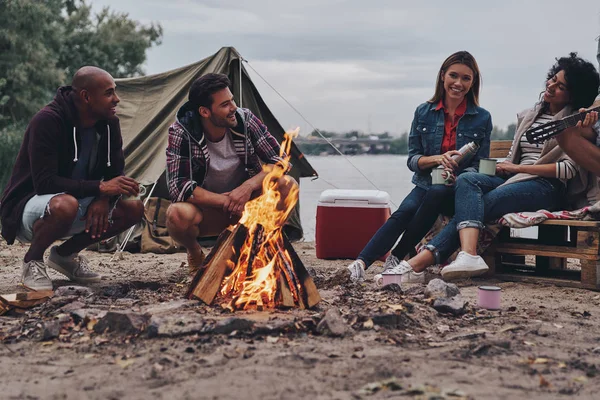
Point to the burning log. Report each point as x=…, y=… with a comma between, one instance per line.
x=257, y=279
x=253, y=265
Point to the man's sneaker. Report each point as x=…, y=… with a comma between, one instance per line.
x=357, y=271
x=403, y=268
x=34, y=276
x=465, y=266
x=195, y=262
x=74, y=267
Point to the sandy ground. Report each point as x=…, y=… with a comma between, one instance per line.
x=544, y=343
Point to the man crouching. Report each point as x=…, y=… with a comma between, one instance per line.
x=214, y=164
x=68, y=179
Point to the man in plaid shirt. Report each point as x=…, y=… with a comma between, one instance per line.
x=215, y=163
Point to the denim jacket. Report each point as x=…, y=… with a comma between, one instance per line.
x=427, y=131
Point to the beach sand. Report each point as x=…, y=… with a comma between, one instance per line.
x=544, y=343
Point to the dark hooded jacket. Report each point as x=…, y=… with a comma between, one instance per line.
x=48, y=155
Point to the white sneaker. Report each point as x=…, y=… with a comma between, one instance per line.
x=357, y=271
x=407, y=274
x=465, y=266
x=34, y=276
x=391, y=262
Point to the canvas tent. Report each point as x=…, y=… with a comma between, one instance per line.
x=149, y=104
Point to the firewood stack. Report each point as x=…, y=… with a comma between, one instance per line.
x=254, y=269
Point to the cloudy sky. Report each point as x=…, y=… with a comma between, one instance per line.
x=366, y=65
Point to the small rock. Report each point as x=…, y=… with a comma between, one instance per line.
x=392, y=287
x=85, y=314
x=122, y=322
x=332, y=324
x=80, y=291
x=60, y=301
x=390, y=320
x=229, y=325
x=51, y=330
x=76, y=305
x=437, y=289
x=173, y=326
x=453, y=305
x=63, y=318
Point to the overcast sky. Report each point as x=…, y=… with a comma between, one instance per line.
x=367, y=65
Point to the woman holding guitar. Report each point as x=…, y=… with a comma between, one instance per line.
x=533, y=177
x=583, y=145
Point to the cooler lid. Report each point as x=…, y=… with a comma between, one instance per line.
x=346, y=195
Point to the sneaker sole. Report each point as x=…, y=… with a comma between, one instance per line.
x=464, y=274
x=59, y=269
x=38, y=289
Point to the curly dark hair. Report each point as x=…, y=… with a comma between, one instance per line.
x=582, y=79
x=204, y=87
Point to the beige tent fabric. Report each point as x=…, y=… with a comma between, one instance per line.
x=149, y=104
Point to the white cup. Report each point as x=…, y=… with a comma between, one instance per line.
x=487, y=166
x=437, y=177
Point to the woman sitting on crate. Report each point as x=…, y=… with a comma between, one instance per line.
x=451, y=119
x=533, y=177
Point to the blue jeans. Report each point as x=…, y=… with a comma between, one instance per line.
x=478, y=199
x=415, y=216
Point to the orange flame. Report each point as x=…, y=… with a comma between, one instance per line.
x=253, y=280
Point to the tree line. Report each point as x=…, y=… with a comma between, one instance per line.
x=394, y=144
x=43, y=43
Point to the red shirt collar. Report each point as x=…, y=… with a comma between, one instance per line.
x=460, y=110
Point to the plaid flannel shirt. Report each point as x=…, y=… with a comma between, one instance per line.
x=254, y=145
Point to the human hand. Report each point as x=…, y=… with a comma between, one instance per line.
x=238, y=198
x=446, y=160
x=96, y=218
x=118, y=186
x=506, y=168
x=449, y=177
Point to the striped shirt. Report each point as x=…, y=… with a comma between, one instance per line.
x=530, y=153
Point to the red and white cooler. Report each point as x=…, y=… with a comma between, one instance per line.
x=347, y=220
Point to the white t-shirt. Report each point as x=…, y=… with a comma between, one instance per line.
x=225, y=170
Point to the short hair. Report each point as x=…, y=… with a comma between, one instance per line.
x=204, y=87
x=582, y=79
x=460, y=57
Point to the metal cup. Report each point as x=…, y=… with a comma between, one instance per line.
x=487, y=166
x=437, y=177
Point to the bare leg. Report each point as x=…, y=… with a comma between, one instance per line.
x=183, y=220
x=59, y=216
x=126, y=214
x=468, y=240
x=422, y=260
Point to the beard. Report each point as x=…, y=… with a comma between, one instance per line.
x=222, y=122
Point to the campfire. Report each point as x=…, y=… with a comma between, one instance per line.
x=253, y=265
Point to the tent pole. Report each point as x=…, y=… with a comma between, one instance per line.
x=240, y=61
x=128, y=236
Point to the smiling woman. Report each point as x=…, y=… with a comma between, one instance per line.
x=450, y=120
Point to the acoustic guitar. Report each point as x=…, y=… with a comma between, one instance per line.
x=544, y=132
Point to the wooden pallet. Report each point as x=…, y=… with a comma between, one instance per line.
x=557, y=240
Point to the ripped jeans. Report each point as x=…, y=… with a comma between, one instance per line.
x=479, y=199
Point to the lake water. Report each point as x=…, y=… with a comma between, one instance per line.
x=388, y=172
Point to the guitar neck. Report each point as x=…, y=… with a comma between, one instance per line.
x=572, y=120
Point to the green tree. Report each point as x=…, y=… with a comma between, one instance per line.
x=109, y=40
x=29, y=46
x=43, y=42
